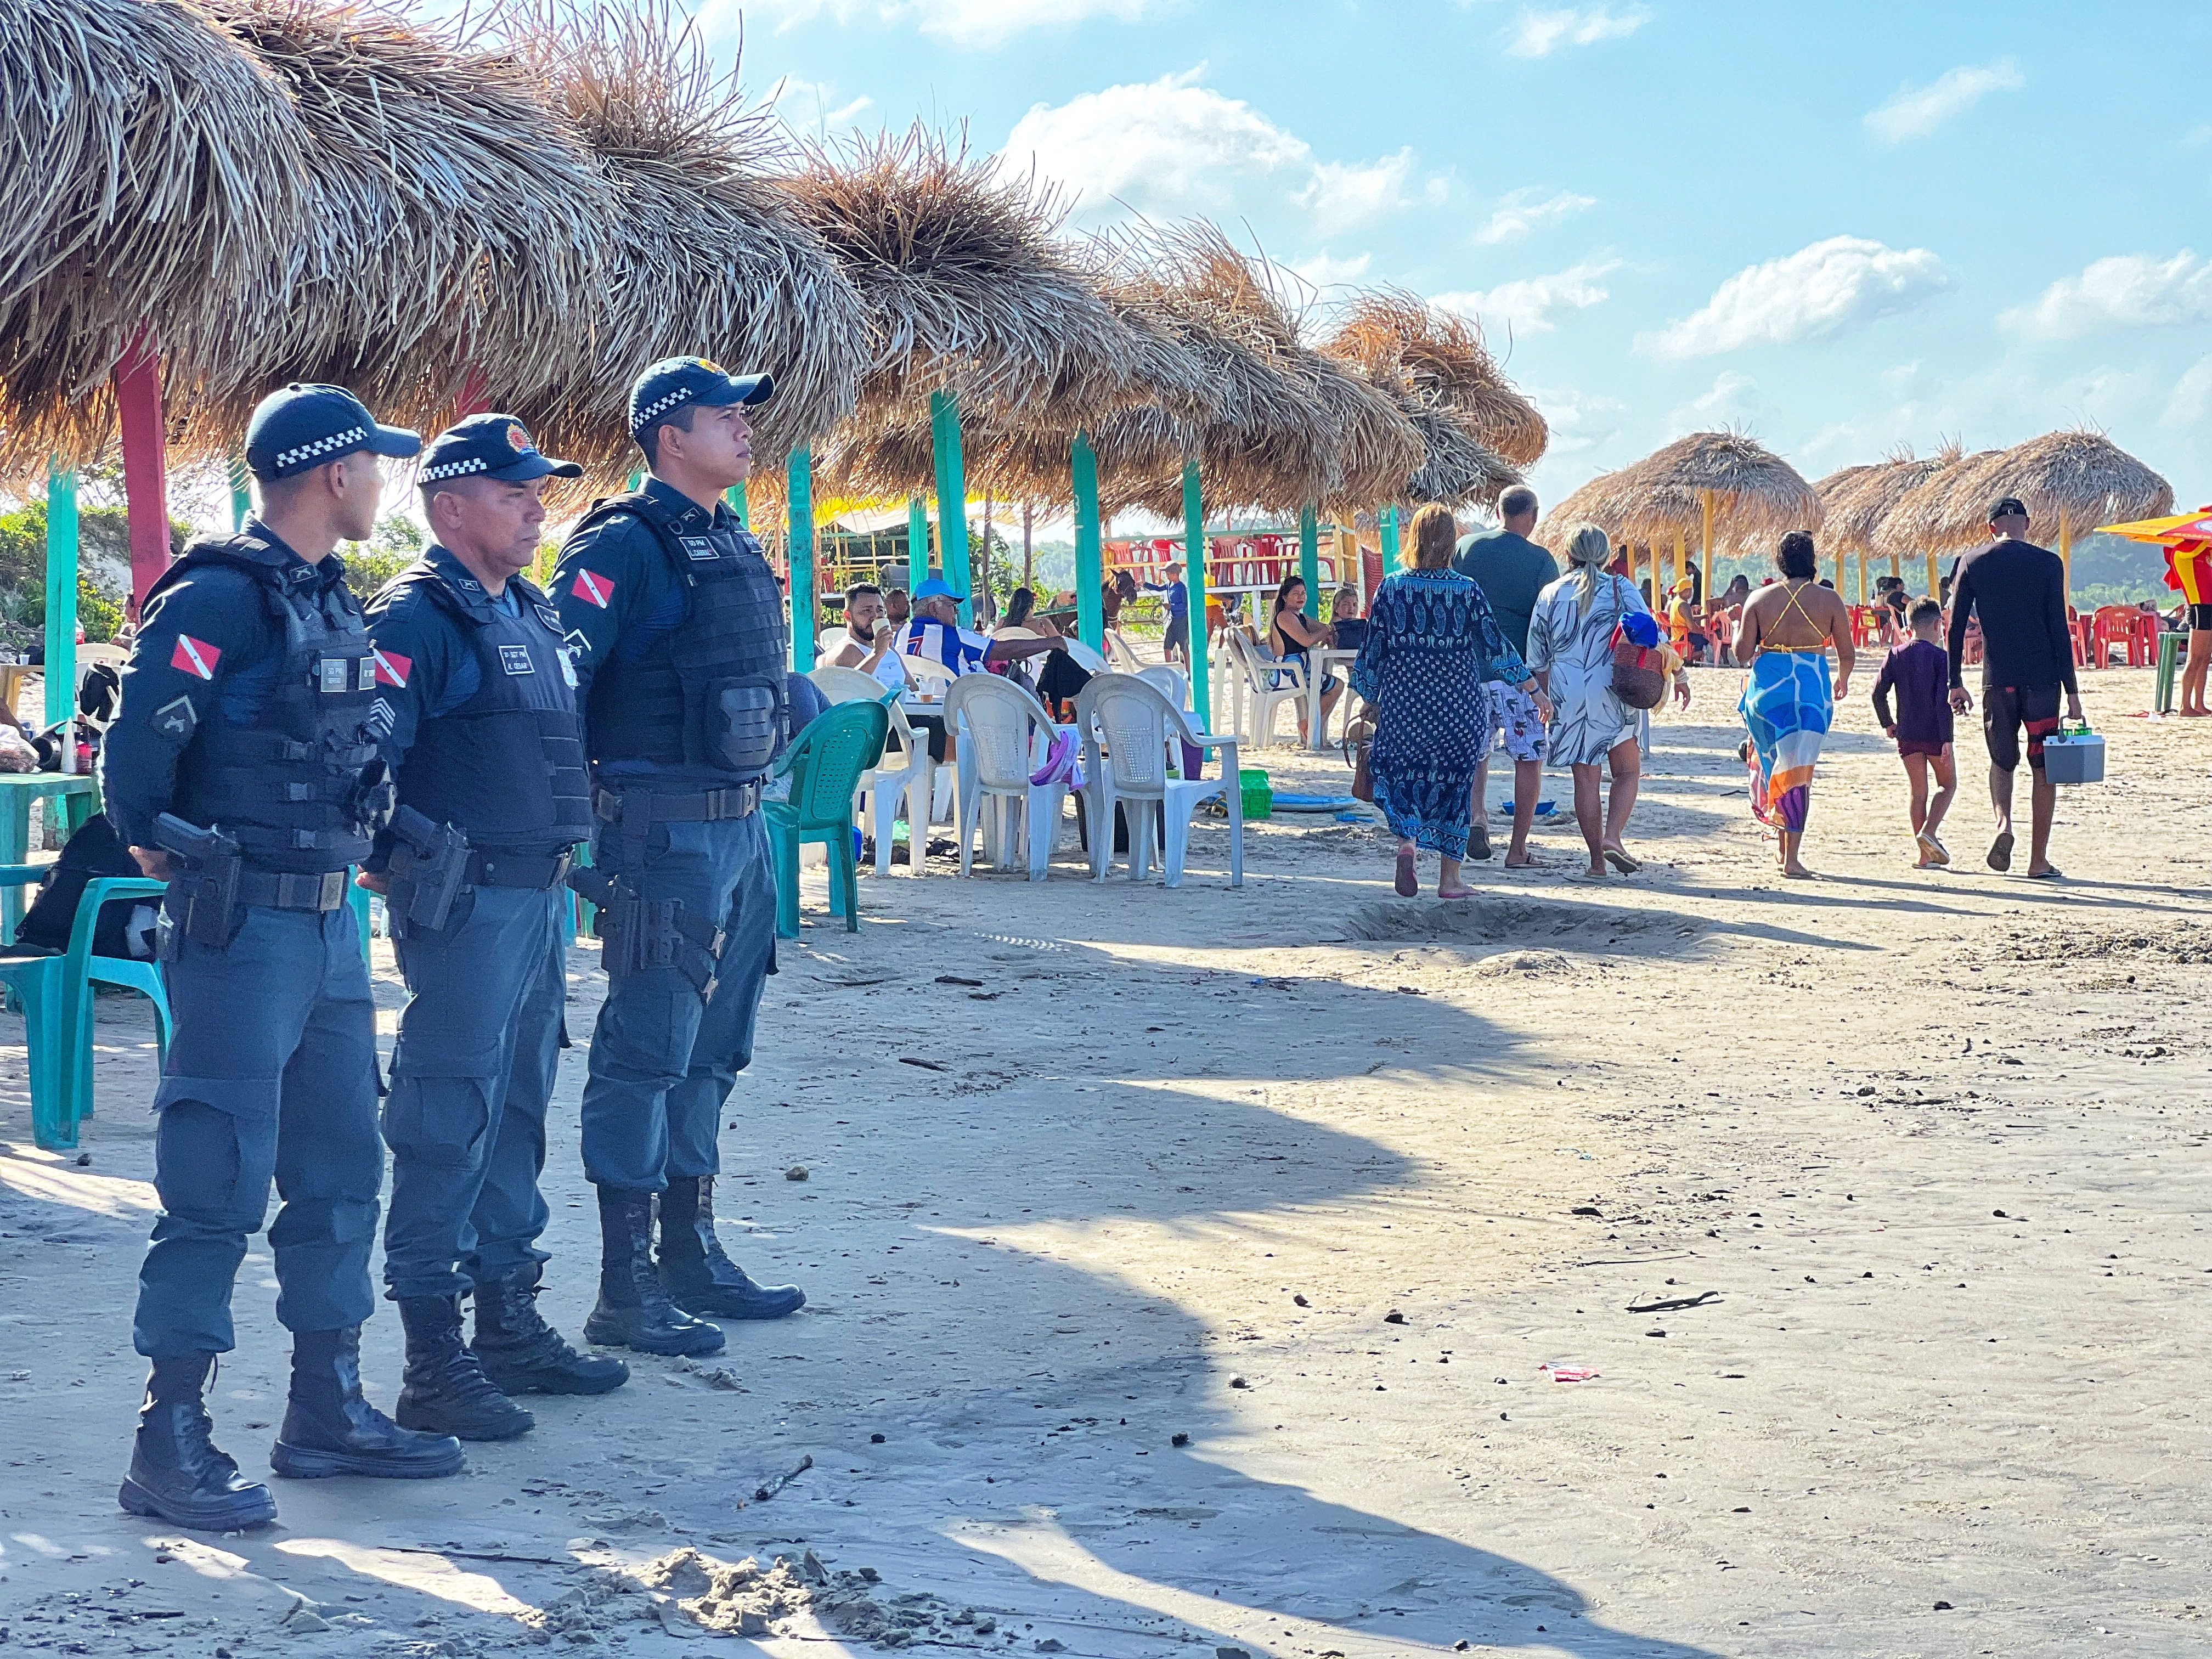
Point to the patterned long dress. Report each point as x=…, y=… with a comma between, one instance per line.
x=1432, y=641
x=1587, y=720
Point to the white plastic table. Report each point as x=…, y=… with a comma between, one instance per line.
x=1318, y=664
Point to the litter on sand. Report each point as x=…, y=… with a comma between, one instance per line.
x=1568, y=1373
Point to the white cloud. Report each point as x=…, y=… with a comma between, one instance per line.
x=1540, y=33
x=1325, y=269
x=1519, y=213
x=1733, y=397
x=2132, y=290
x=1824, y=289
x=1170, y=146
x=1578, y=420
x=1916, y=112
x=2192, y=396
x=812, y=106
x=1525, y=306
x=964, y=22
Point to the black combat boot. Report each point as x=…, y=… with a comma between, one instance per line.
x=443, y=1391
x=634, y=1311
x=330, y=1429
x=177, y=1474
x=522, y=1354
x=693, y=1269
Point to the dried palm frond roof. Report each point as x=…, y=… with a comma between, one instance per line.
x=963, y=284
x=705, y=252
x=1755, y=493
x=1597, y=503
x=1861, y=502
x=152, y=176
x=2073, y=480
x=1457, y=469
x=1445, y=363
x=451, y=226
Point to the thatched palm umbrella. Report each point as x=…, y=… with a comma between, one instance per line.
x=970, y=302
x=154, y=178
x=1443, y=361
x=705, y=252
x=2070, y=482
x=1729, y=487
x=453, y=232
x=1861, y=503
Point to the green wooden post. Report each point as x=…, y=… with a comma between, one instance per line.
x=1194, y=576
x=735, y=496
x=951, y=495
x=805, y=611
x=1310, y=559
x=636, y=481
x=917, y=541
x=1090, y=567
x=241, y=497
x=1389, y=527
x=61, y=597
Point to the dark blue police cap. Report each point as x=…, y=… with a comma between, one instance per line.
x=675, y=382
x=490, y=446
x=299, y=427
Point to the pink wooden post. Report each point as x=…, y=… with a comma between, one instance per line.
x=475, y=396
x=137, y=381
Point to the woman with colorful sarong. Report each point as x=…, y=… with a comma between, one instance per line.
x=1432, y=643
x=1788, y=703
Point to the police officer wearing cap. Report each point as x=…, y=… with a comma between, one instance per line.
x=242, y=768
x=676, y=624
x=476, y=704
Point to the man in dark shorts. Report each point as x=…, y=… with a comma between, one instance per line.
x=2019, y=592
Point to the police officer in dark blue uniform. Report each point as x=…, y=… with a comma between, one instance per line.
x=677, y=627
x=242, y=768
x=476, y=702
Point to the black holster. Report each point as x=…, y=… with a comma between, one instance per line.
x=429, y=863
x=201, y=903
x=639, y=933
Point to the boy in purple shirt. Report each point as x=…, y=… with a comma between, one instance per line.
x=1919, y=673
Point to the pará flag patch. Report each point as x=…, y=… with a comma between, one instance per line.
x=195, y=656
x=594, y=589
x=391, y=668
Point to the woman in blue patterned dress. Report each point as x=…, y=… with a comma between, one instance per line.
x=1431, y=642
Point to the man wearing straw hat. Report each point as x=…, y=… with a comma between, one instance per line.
x=676, y=625
x=243, y=769
x=476, y=704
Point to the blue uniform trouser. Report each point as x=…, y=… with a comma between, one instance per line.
x=271, y=1076
x=478, y=1042
x=663, y=1059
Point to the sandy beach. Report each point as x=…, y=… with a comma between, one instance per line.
x=1191, y=1260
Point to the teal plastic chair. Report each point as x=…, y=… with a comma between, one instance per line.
x=55, y=993
x=824, y=764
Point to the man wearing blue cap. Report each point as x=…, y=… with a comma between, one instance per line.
x=676, y=625
x=476, y=703
x=242, y=768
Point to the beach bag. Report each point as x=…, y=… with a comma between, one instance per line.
x=1358, y=740
x=1639, y=671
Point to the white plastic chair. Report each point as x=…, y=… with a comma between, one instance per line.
x=1127, y=729
x=1125, y=659
x=1088, y=660
x=1003, y=734
x=913, y=780
x=1167, y=679
x=1260, y=669
x=831, y=639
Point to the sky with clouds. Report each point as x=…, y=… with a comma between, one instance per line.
x=1839, y=228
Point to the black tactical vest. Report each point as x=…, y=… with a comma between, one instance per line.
x=710, y=692
x=301, y=786
x=508, y=765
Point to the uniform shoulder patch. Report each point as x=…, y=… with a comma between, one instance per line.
x=594, y=589
x=176, y=719
x=195, y=656
x=391, y=668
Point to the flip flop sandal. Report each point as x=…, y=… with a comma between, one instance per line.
x=1478, y=841
x=1622, y=862
x=1589, y=876
x=1408, y=883
x=1937, y=853
x=2000, y=858
x=2054, y=873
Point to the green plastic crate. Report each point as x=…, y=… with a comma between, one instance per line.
x=1258, y=794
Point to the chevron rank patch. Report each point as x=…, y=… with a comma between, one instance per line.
x=176, y=719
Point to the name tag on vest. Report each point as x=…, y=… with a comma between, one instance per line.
x=701, y=547
x=515, y=659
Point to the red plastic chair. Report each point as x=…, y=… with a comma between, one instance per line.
x=2143, y=641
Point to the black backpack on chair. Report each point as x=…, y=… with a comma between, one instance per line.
x=95, y=850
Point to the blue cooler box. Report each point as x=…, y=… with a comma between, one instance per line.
x=2074, y=758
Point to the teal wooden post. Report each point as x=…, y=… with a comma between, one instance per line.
x=951, y=495
x=1390, y=528
x=1194, y=576
x=241, y=497
x=636, y=480
x=917, y=541
x=1090, y=565
x=61, y=548
x=1310, y=560
x=805, y=611
x=735, y=496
